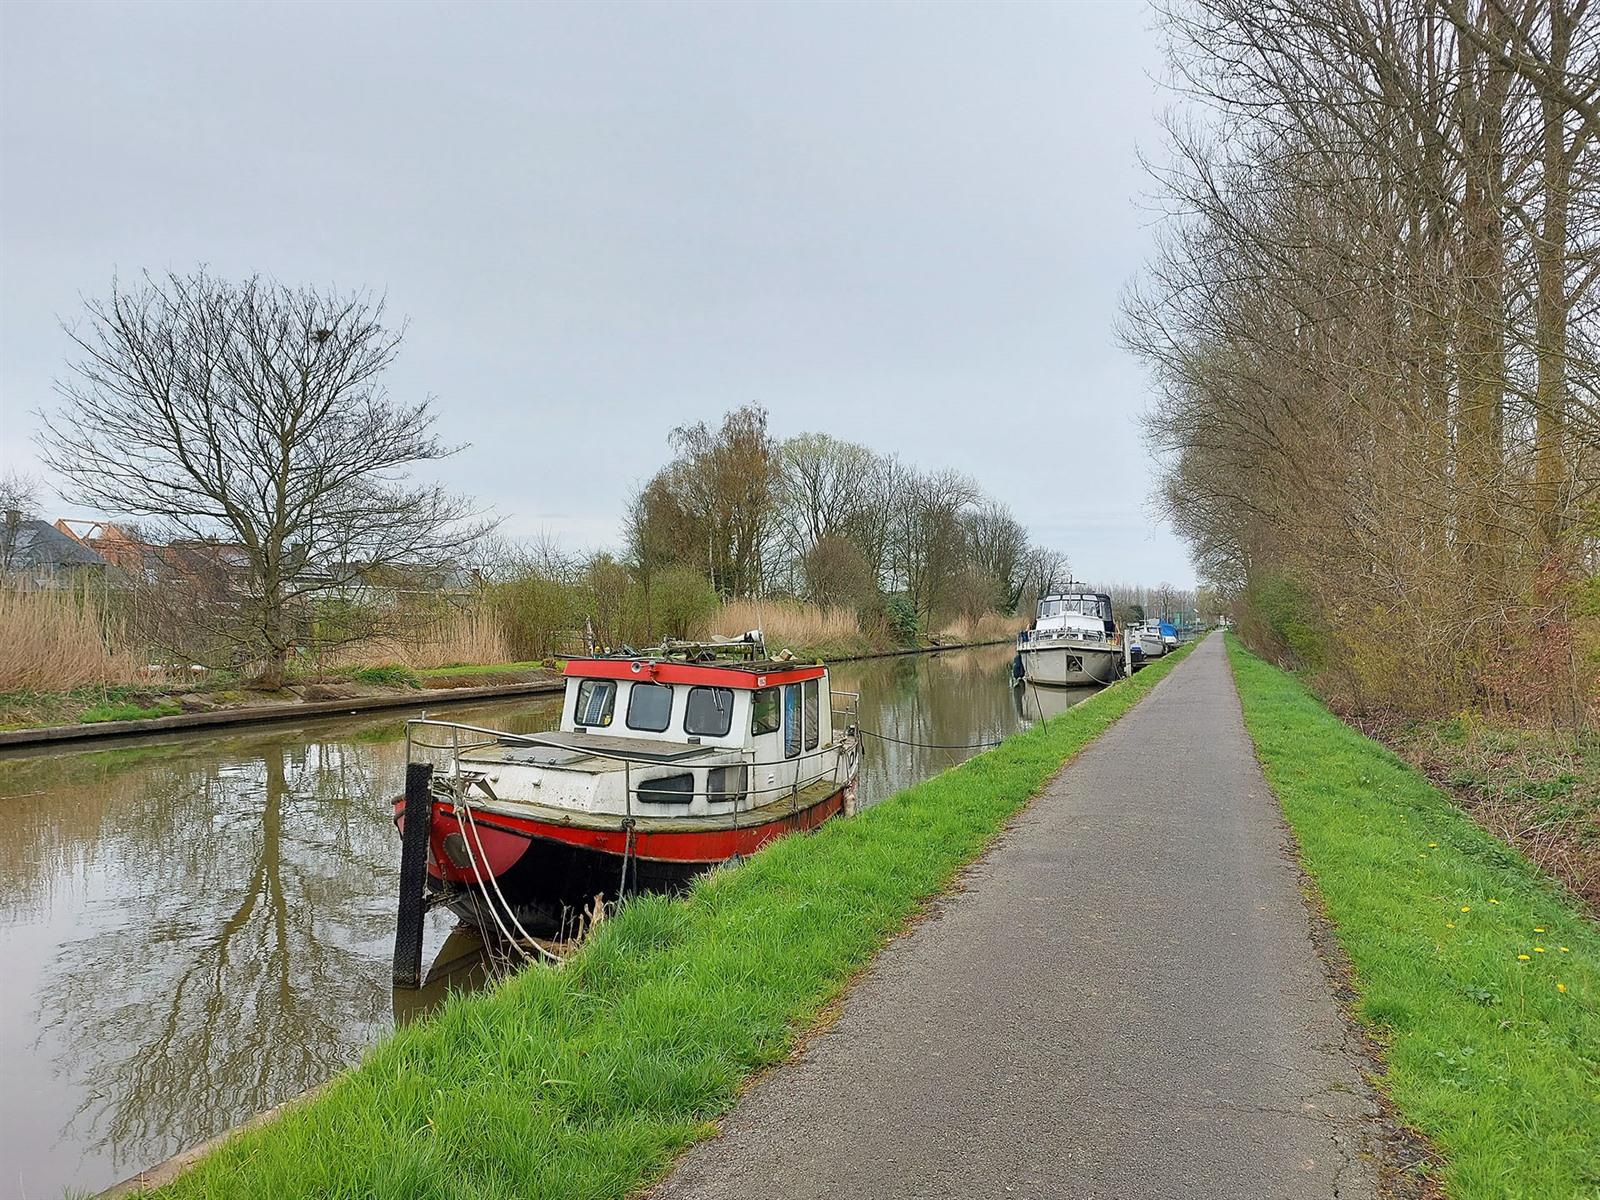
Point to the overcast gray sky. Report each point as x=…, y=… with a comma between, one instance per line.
x=902, y=224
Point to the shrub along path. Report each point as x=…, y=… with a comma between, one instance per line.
x=1125, y=1001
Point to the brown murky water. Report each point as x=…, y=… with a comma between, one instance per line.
x=197, y=928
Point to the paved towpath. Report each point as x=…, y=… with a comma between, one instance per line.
x=1123, y=1003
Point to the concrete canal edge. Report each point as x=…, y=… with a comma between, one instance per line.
x=262, y=714
x=1072, y=736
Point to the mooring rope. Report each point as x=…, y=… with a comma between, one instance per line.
x=884, y=737
x=472, y=824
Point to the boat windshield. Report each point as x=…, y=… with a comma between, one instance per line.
x=1076, y=606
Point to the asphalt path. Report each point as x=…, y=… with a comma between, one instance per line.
x=1123, y=1001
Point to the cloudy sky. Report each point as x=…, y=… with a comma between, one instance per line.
x=903, y=224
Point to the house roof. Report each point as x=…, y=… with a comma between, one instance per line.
x=35, y=544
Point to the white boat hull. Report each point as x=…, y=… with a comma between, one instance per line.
x=1069, y=665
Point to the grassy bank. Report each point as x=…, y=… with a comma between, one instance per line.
x=587, y=1081
x=1528, y=784
x=1477, y=973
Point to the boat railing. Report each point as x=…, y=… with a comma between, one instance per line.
x=840, y=747
x=845, y=706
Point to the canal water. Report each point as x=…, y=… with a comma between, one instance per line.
x=196, y=928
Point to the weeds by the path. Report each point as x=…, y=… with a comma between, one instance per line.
x=586, y=1081
x=1477, y=972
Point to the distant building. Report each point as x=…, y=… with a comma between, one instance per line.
x=122, y=549
x=36, y=552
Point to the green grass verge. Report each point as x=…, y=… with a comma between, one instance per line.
x=1476, y=972
x=128, y=711
x=466, y=669
x=390, y=675
x=587, y=1081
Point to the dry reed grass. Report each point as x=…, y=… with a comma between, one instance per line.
x=455, y=637
x=789, y=623
x=991, y=627
x=54, y=640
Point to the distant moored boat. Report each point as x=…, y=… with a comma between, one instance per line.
x=1073, y=641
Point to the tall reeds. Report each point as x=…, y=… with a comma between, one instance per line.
x=790, y=623
x=54, y=639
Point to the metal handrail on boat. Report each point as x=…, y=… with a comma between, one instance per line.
x=839, y=745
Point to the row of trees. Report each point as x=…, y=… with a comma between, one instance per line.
x=1373, y=324
x=835, y=523
x=261, y=477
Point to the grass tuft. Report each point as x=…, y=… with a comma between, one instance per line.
x=124, y=711
x=1492, y=1027
x=587, y=1081
x=388, y=675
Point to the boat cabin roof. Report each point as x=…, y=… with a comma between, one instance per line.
x=722, y=673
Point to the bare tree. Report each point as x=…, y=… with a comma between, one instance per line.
x=19, y=501
x=1374, y=325
x=19, y=493
x=251, y=416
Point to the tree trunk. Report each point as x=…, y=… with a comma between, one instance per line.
x=1480, y=426
x=1550, y=394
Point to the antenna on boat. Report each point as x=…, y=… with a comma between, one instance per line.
x=761, y=619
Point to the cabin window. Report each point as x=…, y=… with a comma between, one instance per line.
x=813, y=707
x=727, y=783
x=709, y=712
x=596, y=700
x=668, y=789
x=649, y=707
x=765, y=716
x=791, y=721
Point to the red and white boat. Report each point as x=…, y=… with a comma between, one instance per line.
x=664, y=765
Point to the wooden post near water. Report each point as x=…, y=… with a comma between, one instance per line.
x=414, y=838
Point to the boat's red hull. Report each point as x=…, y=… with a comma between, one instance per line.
x=545, y=869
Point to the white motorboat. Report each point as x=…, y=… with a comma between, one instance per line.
x=1073, y=641
x=1148, y=639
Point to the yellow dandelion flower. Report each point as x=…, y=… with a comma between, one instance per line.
x=1494, y=902
x=1523, y=958
x=1538, y=949
x=1466, y=908
x=1433, y=845
x=1561, y=987
x=1449, y=924
x=1563, y=949
x=1538, y=928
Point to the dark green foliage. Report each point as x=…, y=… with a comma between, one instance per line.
x=903, y=620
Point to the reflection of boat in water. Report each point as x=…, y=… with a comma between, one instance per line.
x=1034, y=703
x=462, y=963
x=1072, y=642
x=664, y=765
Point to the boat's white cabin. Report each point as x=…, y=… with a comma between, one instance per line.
x=1081, y=616
x=666, y=738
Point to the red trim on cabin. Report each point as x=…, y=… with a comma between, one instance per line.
x=654, y=670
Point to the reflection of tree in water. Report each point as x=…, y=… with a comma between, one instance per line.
x=243, y=962
x=954, y=699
